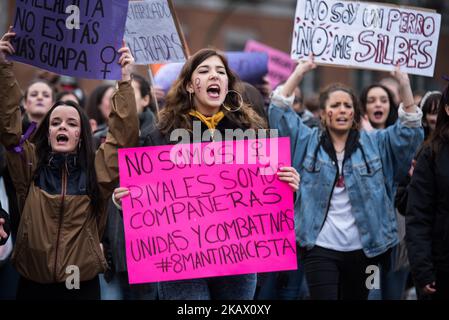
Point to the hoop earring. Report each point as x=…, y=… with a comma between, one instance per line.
x=240, y=104
x=79, y=145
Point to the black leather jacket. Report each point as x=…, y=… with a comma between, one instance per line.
x=427, y=216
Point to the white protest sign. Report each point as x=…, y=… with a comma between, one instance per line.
x=151, y=33
x=366, y=35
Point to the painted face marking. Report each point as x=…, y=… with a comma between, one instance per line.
x=197, y=83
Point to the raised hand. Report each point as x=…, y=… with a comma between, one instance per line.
x=126, y=60
x=305, y=66
x=6, y=46
x=297, y=75
x=405, y=89
x=366, y=124
x=402, y=77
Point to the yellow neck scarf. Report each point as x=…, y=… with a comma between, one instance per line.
x=212, y=121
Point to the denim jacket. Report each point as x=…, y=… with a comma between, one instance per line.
x=371, y=174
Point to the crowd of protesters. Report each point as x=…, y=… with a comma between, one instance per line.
x=370, y=174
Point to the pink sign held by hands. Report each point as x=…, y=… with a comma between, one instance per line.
x=203, y=210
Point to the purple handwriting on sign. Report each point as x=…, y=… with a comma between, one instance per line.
x=205, y=213
x=90, y=51
x=367, y=35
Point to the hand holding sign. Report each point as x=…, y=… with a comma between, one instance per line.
x=290, y=176
x=126, y=60
x=6, y=46
x=405, y=89
x=402, y=77
x=208, y=209
x=302, y=68
x=3, y=234
x=118, y=194
x=366, y=35
x=5, y=230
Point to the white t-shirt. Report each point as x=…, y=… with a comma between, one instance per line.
x=339, y=231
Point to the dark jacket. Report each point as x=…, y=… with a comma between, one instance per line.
x=146, y=124
x=147, y=121
x=427, y=216
x=58, y=225
x=400, y=199
x=114, y=239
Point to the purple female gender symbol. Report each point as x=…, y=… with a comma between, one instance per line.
x=105, y=60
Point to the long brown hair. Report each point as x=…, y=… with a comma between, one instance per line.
x=175, y=114
x=429, y=105
x=440, y=136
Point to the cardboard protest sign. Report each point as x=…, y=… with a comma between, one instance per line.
x=280, y=65
x=366, y=35
x=151, y=33
x=207, y=209
x=46, y=37
x=249, y=66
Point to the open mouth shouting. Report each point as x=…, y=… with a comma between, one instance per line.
x=342, y=121
x=62, y=139
x=213, y=91
x=378, y=114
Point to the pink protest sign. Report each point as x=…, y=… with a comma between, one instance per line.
x=207, y=209
x=280, y=65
